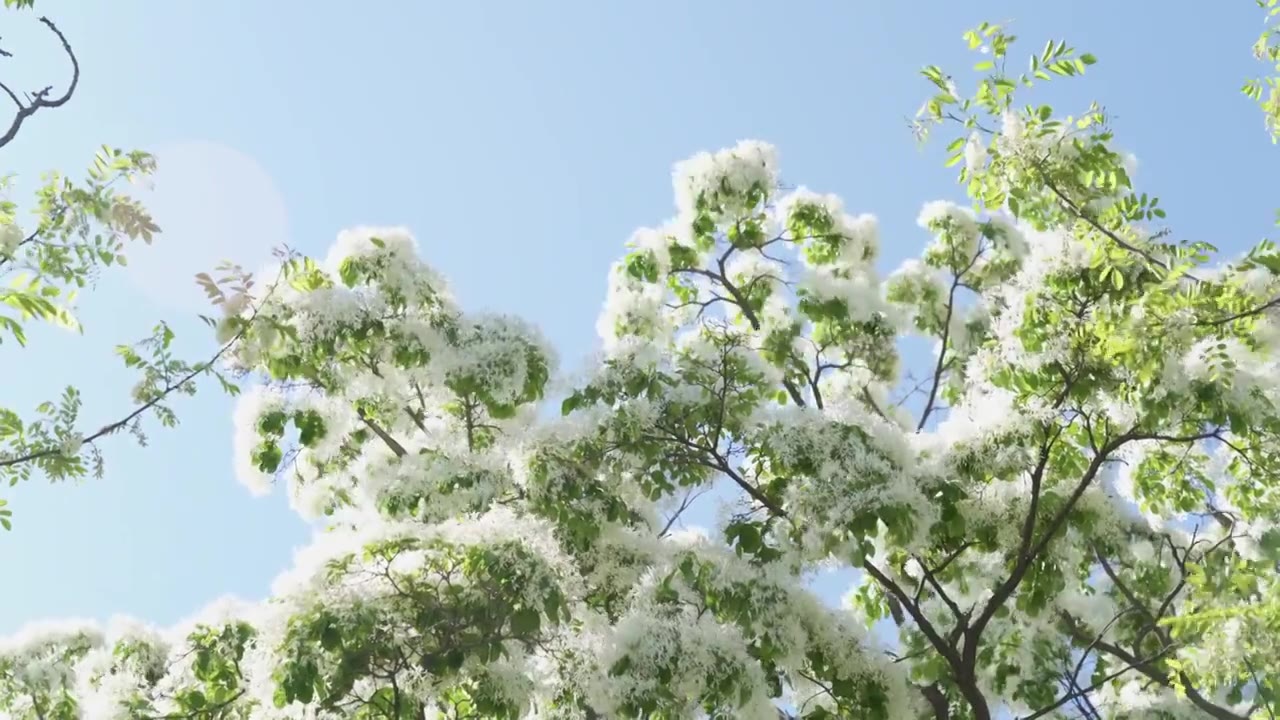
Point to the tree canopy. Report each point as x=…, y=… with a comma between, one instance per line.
x=1072, y=515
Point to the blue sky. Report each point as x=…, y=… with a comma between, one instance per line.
x=522, y=142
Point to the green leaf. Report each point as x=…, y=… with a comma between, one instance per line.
x=525, y=621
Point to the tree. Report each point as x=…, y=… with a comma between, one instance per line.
x=79, y=229
x=1088, y=463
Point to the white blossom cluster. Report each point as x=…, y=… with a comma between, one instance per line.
x=476, y=559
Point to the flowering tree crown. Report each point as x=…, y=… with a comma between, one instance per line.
x=1073, y=514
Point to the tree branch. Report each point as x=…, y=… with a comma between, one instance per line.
x=385, y=436
x=1079, y=212
x=1094, y=687
x=1149, y=669
x=942, y=358
x=168, y=390
x=41, y=98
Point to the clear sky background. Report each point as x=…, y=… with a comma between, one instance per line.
x=522, y=142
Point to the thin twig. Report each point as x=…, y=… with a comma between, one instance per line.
x=168, y=390
x=41, y=98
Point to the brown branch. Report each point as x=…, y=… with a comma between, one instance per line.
x=923, y=622
x=689, y=497
x=1079, y=213
x=941, y=366
x=1147, y=667
x=1026, y=551
x=942, y=358
x=385, y=436
x=1094, y=687
x=965, y=681
x=756, y=493
x=747, y=312
x=168, y=390
x=205, y=712
x=929, y=577
x=1258, y=310
x=41, y=98
x=937, y=700
x=1258, y=683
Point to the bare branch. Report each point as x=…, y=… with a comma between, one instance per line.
x=40, y=99
x=1069, y=697
x=689, y=497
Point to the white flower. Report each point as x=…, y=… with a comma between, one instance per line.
x=725, y=175
x=412, y=436
x=70, y=446
x=10, y=237
x=975, y=153
x=1012, y=126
